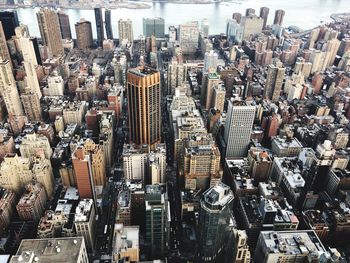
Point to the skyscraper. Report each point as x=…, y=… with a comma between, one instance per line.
x=238, y=127
x=205, y=27
x=157, y=219
x=9, y=22
x=249, y=11
x=83, y=31
x=153, y=26
x=188, y=37
x=215, y=225
x=50, y=31
x=210, y=62
x=177, y=75
x=264, y=14
x=108, y=21
x=252, y=25
x=9, y=90
x=144, y=95
x=274, y=81
x=125, y=30
x=4, y=50
x=31, y=105
x=279, y=14
x=26, y=44
x=237, y=17
x=99, y=26
x=210, y=80
x=64, y=25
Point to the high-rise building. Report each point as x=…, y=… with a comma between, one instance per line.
x=9, y=20
x=50, y=31
x=9, y=90
x=15, y=173
x=209, y=82
x=84, y=222
x=83, y=174
x=157, y=164
x=238, y=127
x=176, y=75
x=55, y=85
x=34, y=145
x=32, y=204
x=205, y=28
x=189, y=37
x=28, y=46
x=153, y=27
x=99, y=26
x=89, y=166
x=4, y=50
x=234, y=31
x=264, y=14
x=210, y=62
x=249, y=11
x=237, y=17
x=215, y=224
x=83, y=31
x=125, y=30
x=201, y=166
x=144, y=108
x=274, y=81
x=157, y=219
x=31, y=105
x=218, y=97
x=7, y=207
x=108, y=22
x=67, y=249
x=252, y=25
x=63, y=19
x=135, y=160
x=279, y=15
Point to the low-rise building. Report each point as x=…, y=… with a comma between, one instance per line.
x=125, y=243
x=68, y=249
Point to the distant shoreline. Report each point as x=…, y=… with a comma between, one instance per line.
x=144, y=4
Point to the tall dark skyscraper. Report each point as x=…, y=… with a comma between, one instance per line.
x=64, y=25
x=264, y=14
x=153, y=27
x=279, y=15
x=108, y=22
x=99, y=26
x=9, y=21
x=215, y=224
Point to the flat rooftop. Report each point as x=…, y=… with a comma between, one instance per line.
x=49, y=250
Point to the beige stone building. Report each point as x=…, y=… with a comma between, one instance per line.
x=35, y=145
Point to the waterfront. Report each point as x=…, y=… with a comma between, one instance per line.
x=298, y=13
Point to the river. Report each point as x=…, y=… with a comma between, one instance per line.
x=302, y=13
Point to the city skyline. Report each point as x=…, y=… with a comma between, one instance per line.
x=179, y=144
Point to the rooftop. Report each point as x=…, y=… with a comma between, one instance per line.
x=49, y=250
x=291, y=242
x=217, y=196
x=83, y=210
